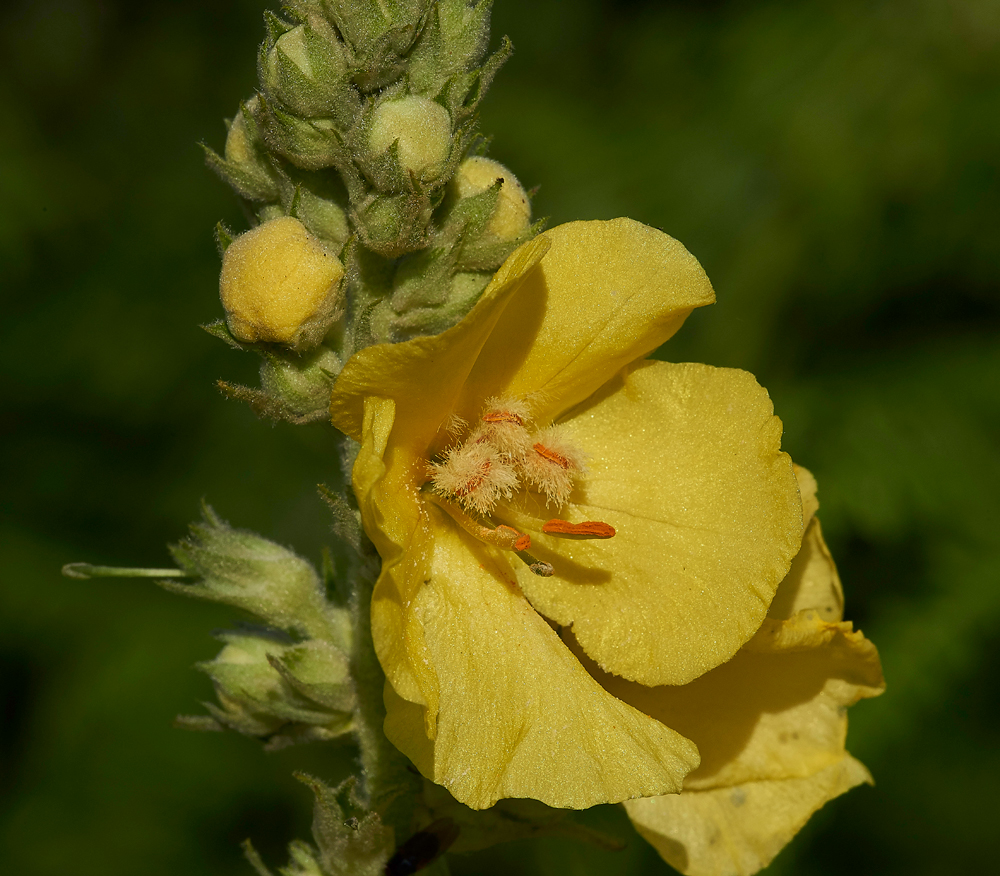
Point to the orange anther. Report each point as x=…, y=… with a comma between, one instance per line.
x=523, y=542
x=502, y=417
x=587, y=529
x=474, y=483
x=552, y=456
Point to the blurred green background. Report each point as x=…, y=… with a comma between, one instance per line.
x=834, y=165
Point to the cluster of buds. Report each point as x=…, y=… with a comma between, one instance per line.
x=277, y=690
x=286, y=681
x=374, y=221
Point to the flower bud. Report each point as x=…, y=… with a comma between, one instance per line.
x=303, y=384
x=269, y=687
x=512, y=214
x=280, y=284
x=239, y=145
x=421, y=127
x=241, y=569
x=306, y=70
x=246, y=166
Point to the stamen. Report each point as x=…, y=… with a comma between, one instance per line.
x=504, y=537
x=502, y=417
x=502, y=425
x=474, y=474
x=587, y=529
x=551, y=456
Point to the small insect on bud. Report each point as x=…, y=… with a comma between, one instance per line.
x=421, y=127
x=512, y=215
x=280, y=284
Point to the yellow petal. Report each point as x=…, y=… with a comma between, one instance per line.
x=777, y=710
x=393, y=521
x=811, y=583
x=606, y=293
x=518, y=716
x=685, y=463
x=424, y=376
x=738, y=831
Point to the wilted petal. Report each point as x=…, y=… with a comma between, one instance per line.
x=518, y=716
x=606, y=294
x=737, y=831
x=685, y=463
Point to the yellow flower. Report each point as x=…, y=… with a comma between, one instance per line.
x=502, y=657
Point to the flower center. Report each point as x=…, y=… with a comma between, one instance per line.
x=499, y=457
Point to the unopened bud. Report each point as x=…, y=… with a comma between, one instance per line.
x=306, y=71
x=270, y=687
x=512, y=215
x=280, y=284
x=303, y=383
x=242, y=569
x=239, y=146
x=421, y=127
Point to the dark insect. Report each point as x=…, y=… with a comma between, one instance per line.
x=423, y=848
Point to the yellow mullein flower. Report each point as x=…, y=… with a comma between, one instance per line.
x=661, y=553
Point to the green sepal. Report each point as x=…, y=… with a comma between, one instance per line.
x=346, y=522
x=223, y=237
x=319, y=89
x=483, y=252
x=452, y=42
x=351, y=839
x=394, y=225
x=275, y=26
x=483, y=78
x=248, y=184
x=294, y=389
x=379, y=34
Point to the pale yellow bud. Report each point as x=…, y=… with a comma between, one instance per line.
x=513, y=212
x=239, y=148
x=422, y=128
x=280, y=284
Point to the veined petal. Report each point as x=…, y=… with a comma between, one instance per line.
x=605, y=294
x=738, y=831
x=425, y=375
x=777, y=710
x=685, y=463
x=518, y=716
